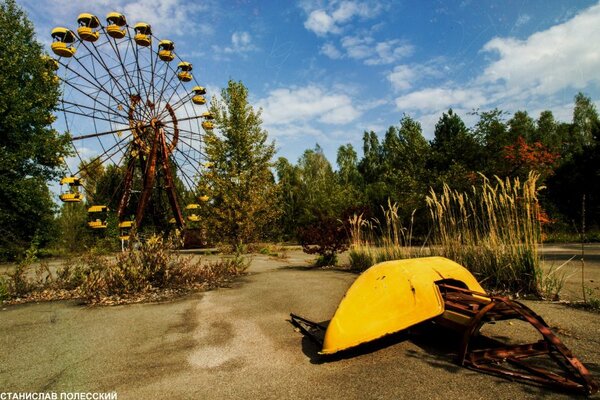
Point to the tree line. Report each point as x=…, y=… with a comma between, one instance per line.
x=402, y=166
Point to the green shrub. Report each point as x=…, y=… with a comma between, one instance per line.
x=360, y=259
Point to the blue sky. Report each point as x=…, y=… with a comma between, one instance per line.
x=326, y=70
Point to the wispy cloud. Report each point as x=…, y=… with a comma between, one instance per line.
x=330, y=18
x=368, y=50
x=525, y=74
x=167, y=17
x=241, y=42
x=310, y=103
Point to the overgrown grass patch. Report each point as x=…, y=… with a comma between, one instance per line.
x=494, y=231
x=373, y=241
x=152, y=269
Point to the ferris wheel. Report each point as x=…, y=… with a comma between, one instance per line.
x=128, y=100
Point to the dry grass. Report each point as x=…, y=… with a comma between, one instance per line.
x=494, y=231
x=373, y=241
x=152, y=269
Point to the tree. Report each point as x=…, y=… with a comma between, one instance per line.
x=243, y=190
x=585, y=116
x=30, y=150
x=521, y=124
x=455, y=152
x=290, y=197
x=322, y=195
x=347, y=162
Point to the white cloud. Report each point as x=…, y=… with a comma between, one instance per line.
x=402, y=77
x=310, y=103
x=241, y=42
x=389, y=51
x=331, y=51
x=368, y=50
x=321, y=23
x=561, y=57
x=329, y=19
x=534, y=73
x=436, y=99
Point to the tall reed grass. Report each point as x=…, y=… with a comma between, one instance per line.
x=494, y=231
x=373, y=241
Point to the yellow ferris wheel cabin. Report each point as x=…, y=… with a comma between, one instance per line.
x=116, y=25
x=88, y=27
x=63, y=38
x=143, y=34
x=165, y=50
x=71, y=195
x=184, y=73
x=97, y=217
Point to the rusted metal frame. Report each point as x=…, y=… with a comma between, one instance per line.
x=175, y=138
x=149, y=176
x=566, y=384
x=128, y=182
x=582, y=378
x=549, y=336
x=516, y=351
x=303, y=323
x=170, y=183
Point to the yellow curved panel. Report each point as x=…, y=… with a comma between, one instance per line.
x=97, y=209
x=70, y=180
x=115, y=31
x=62, y=50
x=392, y=296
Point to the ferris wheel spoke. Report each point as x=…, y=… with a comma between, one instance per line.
x=179, y=83
x=183, y=101
x=115, y=46
x=100, y=89
x=120, y=147
x=141, y=83
x=97, y=84
x=189, y=180
x=81, y=107
x=83, y=114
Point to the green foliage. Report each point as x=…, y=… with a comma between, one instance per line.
x=455, y=151
x=360, y=259
x=30, y=151
x=241, y=184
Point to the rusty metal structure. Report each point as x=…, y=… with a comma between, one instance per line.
x=438, y=291
x=125, y=103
